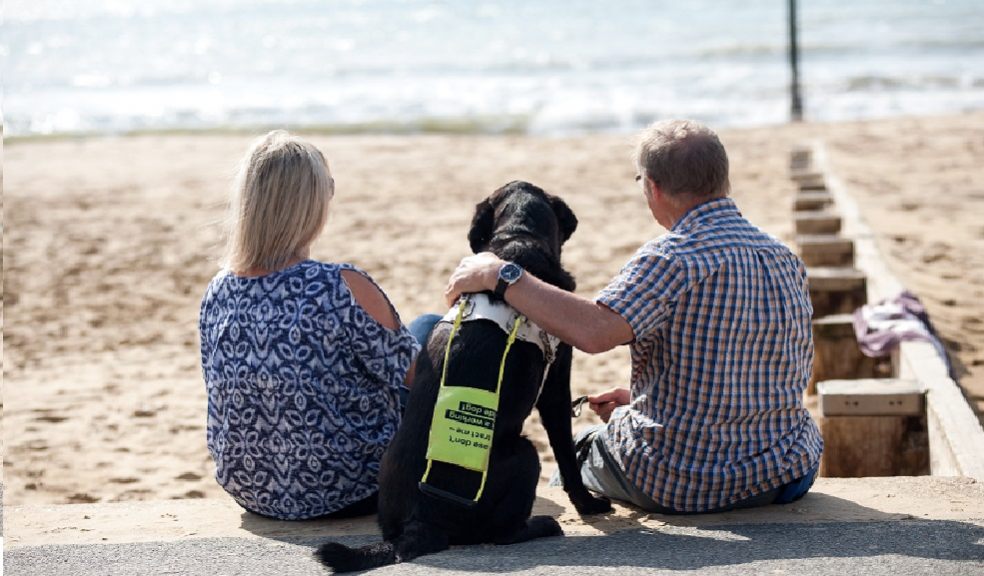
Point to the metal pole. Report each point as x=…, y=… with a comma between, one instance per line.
x=796, y=104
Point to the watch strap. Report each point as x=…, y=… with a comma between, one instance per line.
x=500, y=288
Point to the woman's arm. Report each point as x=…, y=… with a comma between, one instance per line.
x=371, y=298
x=375, y=303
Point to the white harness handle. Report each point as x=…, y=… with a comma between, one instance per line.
x=480, y=307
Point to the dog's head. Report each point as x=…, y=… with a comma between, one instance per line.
x=522, y=223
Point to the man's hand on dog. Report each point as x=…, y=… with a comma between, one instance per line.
x=603, y=404
x=474, y=274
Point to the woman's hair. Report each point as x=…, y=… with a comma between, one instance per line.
x=279, y=203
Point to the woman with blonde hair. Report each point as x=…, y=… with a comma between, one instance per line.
x=304, y=361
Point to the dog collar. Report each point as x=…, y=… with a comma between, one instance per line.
x=479, y=306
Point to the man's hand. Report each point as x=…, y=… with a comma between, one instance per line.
x=603, y=404
x=473, y=274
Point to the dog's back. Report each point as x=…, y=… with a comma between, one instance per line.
x=476, y=353
x=520, y=223
x=414, y=523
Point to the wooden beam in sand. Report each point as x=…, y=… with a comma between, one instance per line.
x=806, y=201
x=817, y=222
x=826, y=250
x=836, y=290
x=809, y=179
x=837, y=355
x=801, y=159
x=873, y=428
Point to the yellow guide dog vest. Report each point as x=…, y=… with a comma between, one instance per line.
x=464, y=418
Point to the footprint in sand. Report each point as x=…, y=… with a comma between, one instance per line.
x=81, y=498
x=50, y=419
x=127, y=480
x=37, y=445
x=909, y=206
x=935, y=252
x=189, y=476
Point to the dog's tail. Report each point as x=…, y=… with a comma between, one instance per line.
x=341, y=558
x=417, y=539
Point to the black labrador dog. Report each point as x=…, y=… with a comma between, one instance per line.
x=523, y=224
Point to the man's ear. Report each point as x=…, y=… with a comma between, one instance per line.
x=651, y=188
x=481, y=226
x=565, y=218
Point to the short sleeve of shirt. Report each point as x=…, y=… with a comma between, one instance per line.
x=384, y=353
x=644, y=291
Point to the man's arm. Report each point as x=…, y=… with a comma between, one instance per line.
x=582, y=323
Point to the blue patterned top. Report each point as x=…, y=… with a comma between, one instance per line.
x=723, y=350
x=303, y=389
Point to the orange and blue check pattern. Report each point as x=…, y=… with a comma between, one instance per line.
x=722, y=353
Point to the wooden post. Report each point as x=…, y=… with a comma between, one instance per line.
x=836, y=353
x=836, y=290
x=872, y=428
x=817, y=222
x=812, y=200
x=796, y=101
x=826, y=250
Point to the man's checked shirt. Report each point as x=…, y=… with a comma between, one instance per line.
x=722, y=353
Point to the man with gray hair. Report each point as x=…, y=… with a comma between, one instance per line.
x=717, y=315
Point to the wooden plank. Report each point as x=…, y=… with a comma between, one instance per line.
x=801, y=159
x=826, y=250
x=813, y=186
x=836, y=290
x=812, y=200
x=861, y=446
x=837, y=355
x=955, y=436
x=801, y=177
x=817, y=222
x=871, y=397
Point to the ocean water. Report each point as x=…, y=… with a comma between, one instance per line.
x=541, y=67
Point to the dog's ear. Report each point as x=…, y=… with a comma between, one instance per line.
x=565, y=218
x=481, y=227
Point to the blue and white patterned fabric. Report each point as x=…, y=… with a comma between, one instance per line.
x=303, y=389
x=722, y=353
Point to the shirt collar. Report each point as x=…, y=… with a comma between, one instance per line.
x=705, y=211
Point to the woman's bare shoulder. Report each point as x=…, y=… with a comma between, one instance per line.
x=370, y=297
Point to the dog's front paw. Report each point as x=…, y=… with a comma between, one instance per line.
x=587, y=504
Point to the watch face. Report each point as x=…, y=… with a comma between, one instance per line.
x=510, y=272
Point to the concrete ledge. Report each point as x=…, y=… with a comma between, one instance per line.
x=876, y=526
x=830, y=500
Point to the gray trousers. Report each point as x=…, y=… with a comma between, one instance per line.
x=601, y=473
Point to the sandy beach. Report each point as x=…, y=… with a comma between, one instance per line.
x=109, y=243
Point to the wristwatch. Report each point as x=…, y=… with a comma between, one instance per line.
x=509, y=274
